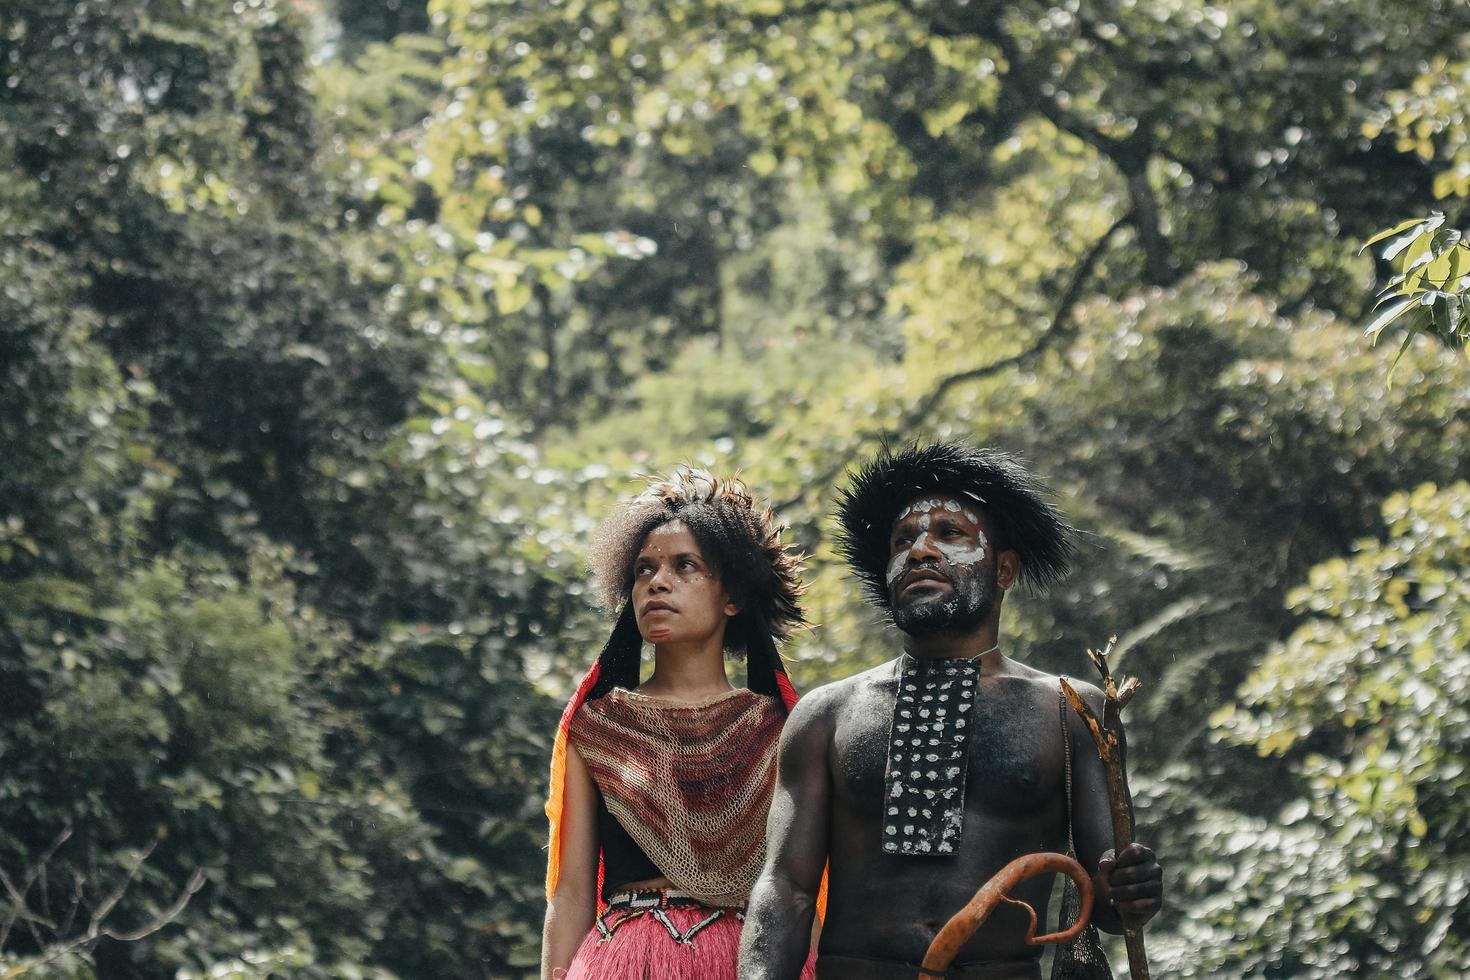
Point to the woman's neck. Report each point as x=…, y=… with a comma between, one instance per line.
x=688, y=674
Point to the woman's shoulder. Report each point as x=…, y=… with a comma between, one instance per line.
x=633, y=711
x=623, y=699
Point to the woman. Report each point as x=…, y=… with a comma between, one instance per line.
x=659, y=789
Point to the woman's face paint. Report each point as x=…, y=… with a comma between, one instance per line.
x=676, y=594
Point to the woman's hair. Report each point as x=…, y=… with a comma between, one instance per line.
x=740, y=541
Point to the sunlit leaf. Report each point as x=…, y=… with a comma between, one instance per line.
x=1409, y=336
x=1404, y=241
x=1391, y=232
x=1387, y=317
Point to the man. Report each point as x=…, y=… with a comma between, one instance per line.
x=916, y=781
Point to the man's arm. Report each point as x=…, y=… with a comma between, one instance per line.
x=778, y=920
x=1129, y=885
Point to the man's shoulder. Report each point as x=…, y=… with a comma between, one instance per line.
x=1048, y=688
x=1043, y=684
x=828, y=699
x=1019, y=673
x=824, y=697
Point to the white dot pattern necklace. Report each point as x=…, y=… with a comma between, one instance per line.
x=928, y=755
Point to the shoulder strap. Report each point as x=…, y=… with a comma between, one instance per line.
x=1067, y=755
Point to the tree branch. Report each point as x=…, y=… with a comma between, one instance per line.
x=78, y=892
x=196, y=881
x=1129, y=154
x=101, y=911
x=18, y=907
x=1055, y=331
x=95, y=929
x=1162, y=266
x=96, y=926
x=1107, y=736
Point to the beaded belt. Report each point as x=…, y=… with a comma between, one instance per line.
x=654, y=902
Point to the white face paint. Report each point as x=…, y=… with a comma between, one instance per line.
x=954, y=553
x=927, y=505
x=897, y=565
x=957, y=550
x=964, y=555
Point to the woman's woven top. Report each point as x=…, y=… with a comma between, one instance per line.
x=691, y=783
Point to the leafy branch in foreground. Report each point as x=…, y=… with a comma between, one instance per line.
x=58, y=943
x=1430, y=287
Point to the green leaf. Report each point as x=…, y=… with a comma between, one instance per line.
x=1386, y=317
x=1393, y=248
x=1440, y=311
x=1457, y=261
x=1390, y=232
x=1419, y=251
x=1421, y=230
x=763, y=162
x=1441, y=269
x=1446, y=238
x=594, y=244
x=940, y=121
x=511, y=296
x=1408, y=339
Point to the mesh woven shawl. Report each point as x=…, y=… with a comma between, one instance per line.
x=691, y=783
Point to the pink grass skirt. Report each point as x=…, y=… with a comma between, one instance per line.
x=676, y=943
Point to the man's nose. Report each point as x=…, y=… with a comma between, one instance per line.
x=923, y=549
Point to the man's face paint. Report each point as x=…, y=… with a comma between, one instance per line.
x=938, y=576
x=925, y=510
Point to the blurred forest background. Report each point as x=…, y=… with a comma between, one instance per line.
x=328, y=332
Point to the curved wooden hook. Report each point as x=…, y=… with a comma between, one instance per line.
x=967, y=920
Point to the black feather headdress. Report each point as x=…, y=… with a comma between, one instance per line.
x=1016, y=504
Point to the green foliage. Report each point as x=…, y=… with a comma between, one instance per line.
x=1429, y=263
x=324, y=344
x=1364, y=706
x=1426, y=119
x=1431, y=282
x=186, y=708
x=223, y=552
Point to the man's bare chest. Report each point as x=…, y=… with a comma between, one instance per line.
x=1014, y=756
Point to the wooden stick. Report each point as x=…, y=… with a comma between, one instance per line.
x=1107, y=735
x=964, y=923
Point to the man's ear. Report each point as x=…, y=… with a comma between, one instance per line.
x=1007, y=569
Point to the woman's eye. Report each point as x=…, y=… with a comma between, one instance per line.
x=686, y=564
